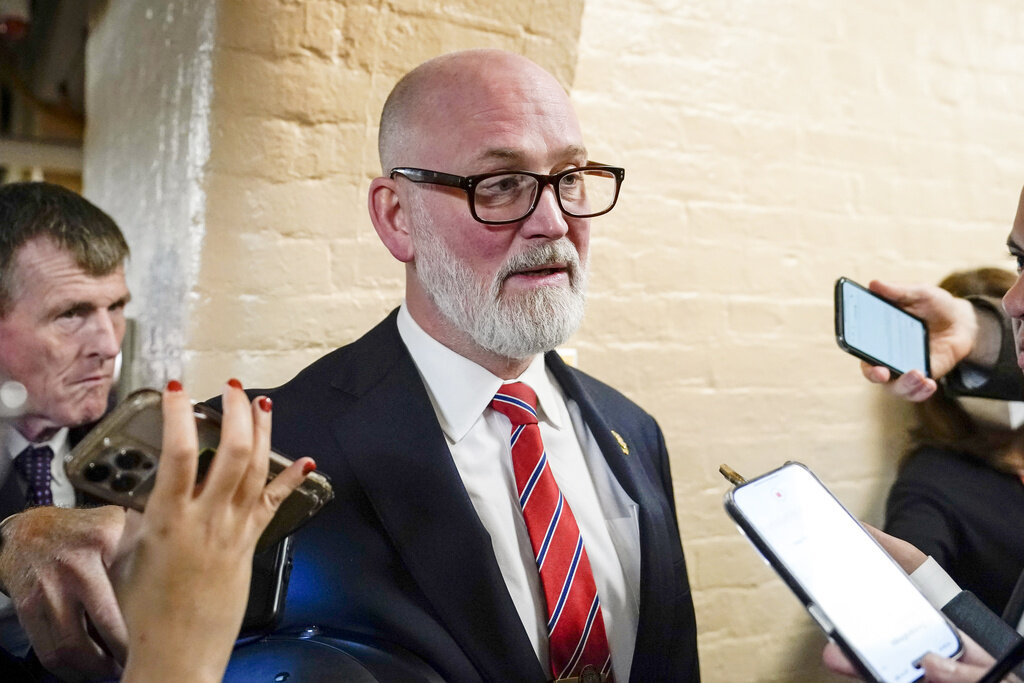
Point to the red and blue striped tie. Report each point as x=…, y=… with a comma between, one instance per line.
x=576, y=633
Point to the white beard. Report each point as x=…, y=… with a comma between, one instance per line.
x=511, y=326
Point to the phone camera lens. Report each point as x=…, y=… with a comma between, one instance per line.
x=124, y=482
x=129, y=459
x=97, y=471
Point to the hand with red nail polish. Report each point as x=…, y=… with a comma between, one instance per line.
x=182, y=569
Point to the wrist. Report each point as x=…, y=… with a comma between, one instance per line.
x=163, y=663
x=987, y=336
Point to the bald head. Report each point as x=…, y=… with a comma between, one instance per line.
x=426, y=99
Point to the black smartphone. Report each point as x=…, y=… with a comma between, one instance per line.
x=878, y=331
x=117, y=462
x=271, y=570
x=850, y=586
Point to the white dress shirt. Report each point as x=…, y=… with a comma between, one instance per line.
x=478, y=436
x=939, y=587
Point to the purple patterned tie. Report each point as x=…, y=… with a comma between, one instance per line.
x=33, y=464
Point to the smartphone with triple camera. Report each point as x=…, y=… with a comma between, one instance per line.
x=118, y=459
x=856, y=593
x=879, y=332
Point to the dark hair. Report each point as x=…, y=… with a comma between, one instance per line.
x=32, y=210
x=941, y=420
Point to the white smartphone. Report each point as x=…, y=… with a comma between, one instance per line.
x=879, y=332
x=851, y=587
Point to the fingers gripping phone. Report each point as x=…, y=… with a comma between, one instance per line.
x=851, y=587
x=878, y=331
x=118, y=459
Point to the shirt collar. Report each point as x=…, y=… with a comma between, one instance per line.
x=16, y=443
x=460, y=390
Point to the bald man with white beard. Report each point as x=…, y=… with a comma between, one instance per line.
x=487, y=196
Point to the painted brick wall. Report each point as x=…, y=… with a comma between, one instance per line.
x=291, y=266
x=770, y=147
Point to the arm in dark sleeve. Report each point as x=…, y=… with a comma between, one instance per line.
x=981, y=624
x=911, y=513
x=1004, y=380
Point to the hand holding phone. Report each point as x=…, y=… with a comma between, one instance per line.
x=182, y=568
x=117, y=461
x=879, y=332
x=854, y=591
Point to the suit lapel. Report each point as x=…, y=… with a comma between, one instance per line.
x=402, y=460
x=12, y=499
x=658, y=578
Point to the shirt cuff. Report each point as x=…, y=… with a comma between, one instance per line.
x=934, y=582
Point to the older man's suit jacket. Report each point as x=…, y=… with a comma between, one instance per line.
x=401, y=554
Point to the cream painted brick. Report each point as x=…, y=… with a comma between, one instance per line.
x=546, y=18
x=323, y=27
x=305, y=88
x=328, y=208
x=775, y=656
x=264, y=26
x=310, y=321
x=277, y=150
x=412, y=39
x=272, y=266
x=701, y=515
x=207, y=371
x=768, y=603
x=727, y=561
x=366, y=264
x=278, y=28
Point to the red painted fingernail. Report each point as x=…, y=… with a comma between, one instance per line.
x=265, y=404
x=174, y=385
x=234, y=383
x=308, y=467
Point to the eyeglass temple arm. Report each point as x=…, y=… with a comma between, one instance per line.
x=422, y=175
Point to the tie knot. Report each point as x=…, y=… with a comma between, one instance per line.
x=517, y=402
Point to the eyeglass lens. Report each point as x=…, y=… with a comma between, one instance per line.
x=509, y=197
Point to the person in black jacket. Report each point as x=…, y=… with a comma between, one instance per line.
x=977, y=348
x=959, y=492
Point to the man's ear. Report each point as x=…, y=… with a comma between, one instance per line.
x=390, y=218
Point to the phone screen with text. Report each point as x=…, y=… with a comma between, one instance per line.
x=881, y=331
x=867, y=598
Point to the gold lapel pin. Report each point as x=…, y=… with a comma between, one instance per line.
x=622, y=442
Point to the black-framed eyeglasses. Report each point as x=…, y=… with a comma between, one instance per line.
x=510, y=196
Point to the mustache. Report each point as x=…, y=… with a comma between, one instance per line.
x=550, y=254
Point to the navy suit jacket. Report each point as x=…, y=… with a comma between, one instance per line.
x=401, y=554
